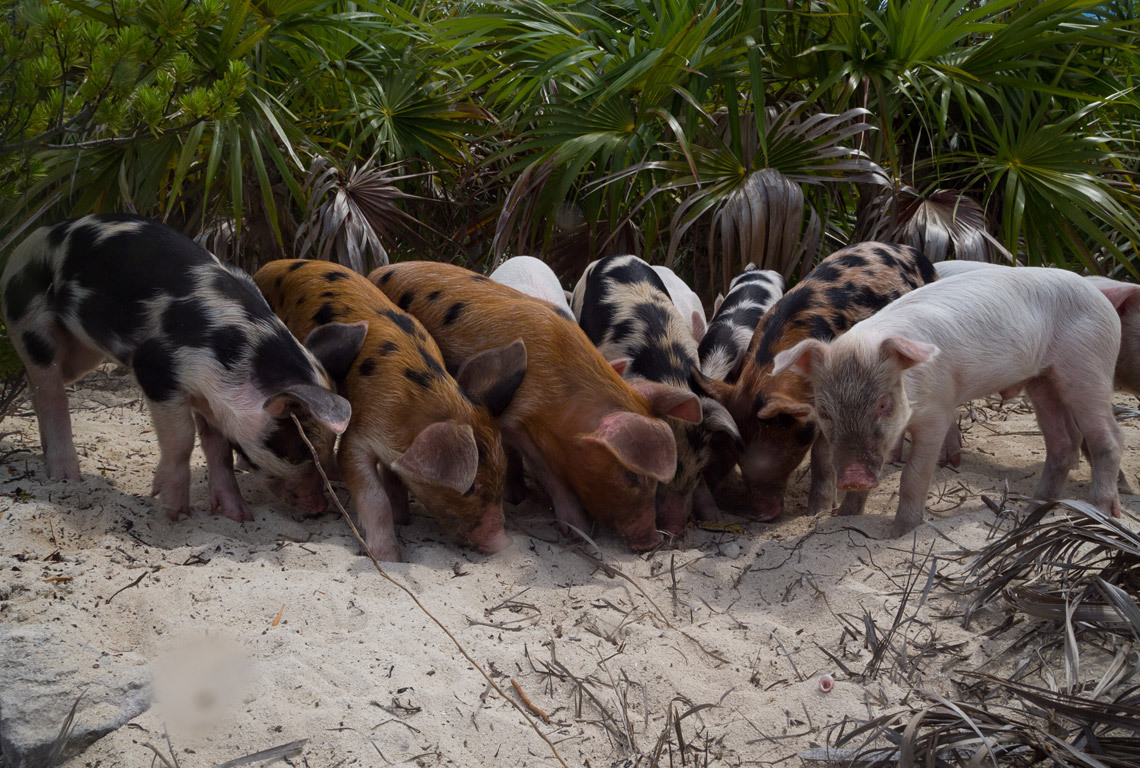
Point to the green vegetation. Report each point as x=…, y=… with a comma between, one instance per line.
x=703, y=133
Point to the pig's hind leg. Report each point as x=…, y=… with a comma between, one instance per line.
x=1079, y=400
x=53, y=359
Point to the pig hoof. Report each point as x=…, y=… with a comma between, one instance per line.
x=69, y=471
x=384, y=549
x=904, y=526
x=177, y=513
x=234, y=509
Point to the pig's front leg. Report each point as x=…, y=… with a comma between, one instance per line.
x=927, y=437
x=567, y=507
x=225, y=496
x=1062, y=438
x=174, y=428
x=49, y=400
x=373, y=507
x=821, y=496
x=397, y=496
x=704, y=504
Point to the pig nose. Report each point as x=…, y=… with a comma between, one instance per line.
x=856, y=477
x=639, y=542
x=313, y=505
x=767, y=508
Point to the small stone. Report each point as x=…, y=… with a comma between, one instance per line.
x=42, y=672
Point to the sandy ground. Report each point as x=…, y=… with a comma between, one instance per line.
x=278, y=630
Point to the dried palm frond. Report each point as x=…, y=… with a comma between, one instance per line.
x=1036, y=728
x=942, y=224
x=353, y=215
x=1080, y=566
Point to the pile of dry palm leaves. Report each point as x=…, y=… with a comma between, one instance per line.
x=1075, y=571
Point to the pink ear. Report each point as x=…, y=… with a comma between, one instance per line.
x=717, y=303
x=645, y=446
x=669, y=401
x=619, y=365
x=442, y=454
x=1123, y=296
x=804, y=358
x=698, y=326
x=907, y=353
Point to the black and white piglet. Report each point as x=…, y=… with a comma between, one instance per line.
x=735, y=318
x=625, y=310
x=203, y=345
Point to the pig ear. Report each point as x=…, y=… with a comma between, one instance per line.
x=698, y=326
x=803, y=358
x=905, y=352
x=491, y=378
x=336, y=345
x=619, y=365
x=569, y=297
x=717, y=303
x=718, y=419
x=669, y=401
x=330, y=409
x=1123, y=296
x=643, y=445
x=778, y=404
x=442, y=454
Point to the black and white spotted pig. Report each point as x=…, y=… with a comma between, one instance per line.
x=625, y=310
x=203, y=345
x=735, y=318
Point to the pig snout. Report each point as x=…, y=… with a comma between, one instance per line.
x=489, y=536
x=857, y=477
x=306, y=494
x=767, y=506
x=642, y=534
x=673, y=512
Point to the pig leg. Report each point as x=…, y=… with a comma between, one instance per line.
x=174, y=428
x=1057, y=427
x=926, y=437
x=514, y=484
x=704, y=505
x=49, y=399
x=225, y=496
x=853, y=502
x=1092, y=414
x=951, y=454
x=821, y=495
x=567, y=507
x=397, y=496
x=373, y=507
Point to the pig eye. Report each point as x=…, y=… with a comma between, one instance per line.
x=632, y=478
x=885, y=406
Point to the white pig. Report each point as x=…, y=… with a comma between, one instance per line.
x=686, y=300
x=533, y=277
x=907, y=367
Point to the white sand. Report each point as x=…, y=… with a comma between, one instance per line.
x=357, y=669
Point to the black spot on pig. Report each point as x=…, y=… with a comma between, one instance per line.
x=868, y=298
x=387, y=348
x=453, y=312
x=327, y=294
x=887, y=258
x=228, y=345
x=58, y=233
x=781, y=316
x=851, y=260
x=406, y=299
x=185, y=324
x=384, y=278
x=279, y=362
x=838, y=298
x=367, y=367
x=297, y=265
x=404, y=322
x=825, y=273
x=820, y=328
x=333, y=276
x=326, y=314
x=154, y=368
x=432, y=364
x=653, y=315
x=33, y=280
x=286, y=444
x=481, y=278
x=39, y=348
x=244, y=293
x=925, y=268
x=423, y=379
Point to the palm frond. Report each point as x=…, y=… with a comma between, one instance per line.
x=945, y=223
